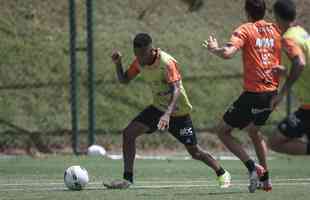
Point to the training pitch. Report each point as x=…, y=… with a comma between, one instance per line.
x=27, y=178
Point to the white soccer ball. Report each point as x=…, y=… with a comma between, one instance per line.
x=96, y=150
x=76, y=177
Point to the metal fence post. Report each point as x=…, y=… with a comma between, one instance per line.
x=91, y=74
x=73, y=79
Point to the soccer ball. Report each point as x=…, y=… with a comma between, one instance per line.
x=96, y=150
x=76, y=177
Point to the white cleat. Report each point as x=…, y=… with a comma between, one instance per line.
x=224, y=180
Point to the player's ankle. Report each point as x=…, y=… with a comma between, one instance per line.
x=250, y=165
x=265, y=176
x=128, y=176
x=220, y=172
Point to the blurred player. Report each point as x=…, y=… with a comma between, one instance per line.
x=296, y=44
x=170, y=109
x=260, y=43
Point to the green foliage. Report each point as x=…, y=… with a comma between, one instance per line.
x=34, y=59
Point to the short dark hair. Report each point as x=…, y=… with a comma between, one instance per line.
x=285, y=9
x=256, y=9
x=142, y=40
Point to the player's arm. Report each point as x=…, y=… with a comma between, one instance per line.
x=175, y=89
x=280, y=71
x=123, y=77
x=173, y=78
x=237, y=41
x=297, y=58
x=298, y=64
x=225, y=52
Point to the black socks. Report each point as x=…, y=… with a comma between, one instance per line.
x=220, y=172
x=128, y=176
x=250, y=164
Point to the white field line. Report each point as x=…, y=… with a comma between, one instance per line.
x=30, y=183
x=233, y=180
x=152, y=187
x=173, y=157
x=161, y=184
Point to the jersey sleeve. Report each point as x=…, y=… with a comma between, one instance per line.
x=239, y=37
x=291, y=48
x=133, y=69
x=172, y=72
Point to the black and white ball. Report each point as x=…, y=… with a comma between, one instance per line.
x=76, y=177
x=96, y=150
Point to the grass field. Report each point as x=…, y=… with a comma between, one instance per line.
x=26, y=178
x=34, y=65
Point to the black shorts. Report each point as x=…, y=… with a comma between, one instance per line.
x=180, y=127
x=249, y=108
x=296, y=125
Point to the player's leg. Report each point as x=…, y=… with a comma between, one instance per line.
x=236, y=148
x=239, y=115
x=260, y=111
x=293, y=146
x=259, y=144
x=286, y=140
x=224, y=134
x=198, y=153
x=182, y=128
x=145, y=122
x=130, y=134
x=261, y=152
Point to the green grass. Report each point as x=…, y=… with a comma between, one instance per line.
x=34, y=64
x=25, y=178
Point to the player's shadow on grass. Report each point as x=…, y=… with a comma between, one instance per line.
x=226, y=193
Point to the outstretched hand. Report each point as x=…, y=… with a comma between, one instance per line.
x=211, y=43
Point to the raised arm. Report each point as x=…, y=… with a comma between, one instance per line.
x=123, y=77
x=225, y=52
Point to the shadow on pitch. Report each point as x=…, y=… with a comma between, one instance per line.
x=227, y=193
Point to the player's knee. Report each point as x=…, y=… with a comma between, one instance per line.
x=223, y=133
x=223, y=129
x=273, y=143
x=253, y=131
x=254, y=135
x=196, y=155
x=276, y=142
x=128, y=135
x=195, y=152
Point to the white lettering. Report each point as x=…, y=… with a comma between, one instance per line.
x=265, y=42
